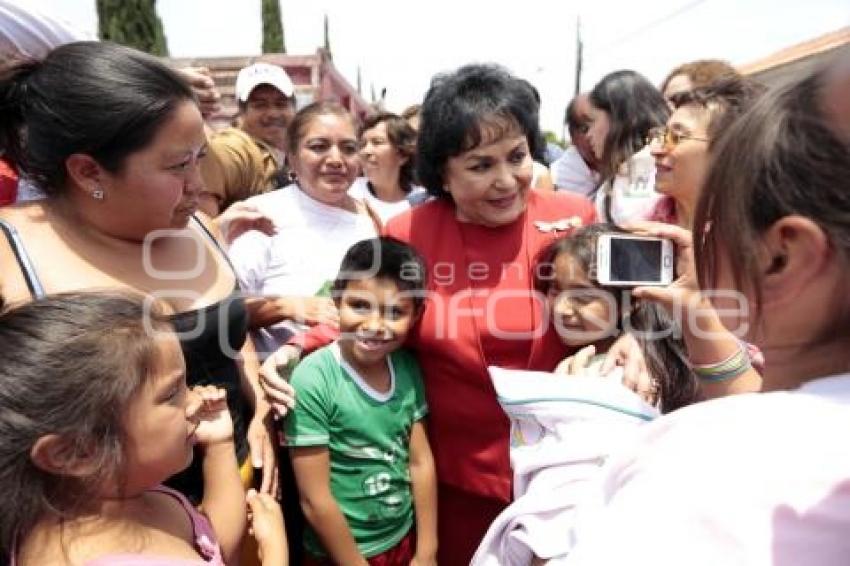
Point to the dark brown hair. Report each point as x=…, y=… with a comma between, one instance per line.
x=780, y=158
x=297, y=128
x=634, y=106
x=403, y=139
x=411, y=111
x=725, y=99
x=71, y=363
x=702, y=72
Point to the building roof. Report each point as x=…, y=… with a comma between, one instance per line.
x=315, y=78
x=796, y=59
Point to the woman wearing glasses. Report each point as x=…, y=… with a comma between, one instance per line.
x=681, y=148
x=624, y=106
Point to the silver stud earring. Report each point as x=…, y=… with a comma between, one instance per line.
x=97, y=194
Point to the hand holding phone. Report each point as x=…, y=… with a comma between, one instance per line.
x=626, y=260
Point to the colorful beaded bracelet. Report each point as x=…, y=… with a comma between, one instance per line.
x=730, y=368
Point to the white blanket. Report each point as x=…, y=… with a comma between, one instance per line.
x=562, y=430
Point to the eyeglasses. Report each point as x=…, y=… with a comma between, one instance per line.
x=667, y=137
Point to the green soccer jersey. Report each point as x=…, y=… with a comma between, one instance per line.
x=368, y=435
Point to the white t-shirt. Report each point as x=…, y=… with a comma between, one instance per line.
x=571, y=173
x=304, y=255
x=756, y=479
x=385, y=210
x=632, y=193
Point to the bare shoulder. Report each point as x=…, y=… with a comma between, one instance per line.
x=28, y=221
x=20, y=215
x=211, y=225
x=156, y=524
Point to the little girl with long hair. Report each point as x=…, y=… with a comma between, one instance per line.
x=94, y=415
x=590, y=316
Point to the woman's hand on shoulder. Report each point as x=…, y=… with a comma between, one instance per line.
x=310, y=310
x=241, y=217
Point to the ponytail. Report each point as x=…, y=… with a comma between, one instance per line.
x=97, y=98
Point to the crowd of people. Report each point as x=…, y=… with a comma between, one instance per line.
x=314, y=309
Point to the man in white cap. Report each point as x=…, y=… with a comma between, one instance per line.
x=248, y=160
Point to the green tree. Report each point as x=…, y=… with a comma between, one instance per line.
x=132, y=22
x=552, y=137
x=274, y=40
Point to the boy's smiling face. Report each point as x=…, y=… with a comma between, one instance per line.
x=375, y=318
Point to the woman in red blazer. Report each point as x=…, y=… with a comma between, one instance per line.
x=480, y=236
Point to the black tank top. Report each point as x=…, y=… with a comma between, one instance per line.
x=210, y=338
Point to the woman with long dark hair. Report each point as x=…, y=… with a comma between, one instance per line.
x=624, y=107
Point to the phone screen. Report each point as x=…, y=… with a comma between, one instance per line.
x=635, y=260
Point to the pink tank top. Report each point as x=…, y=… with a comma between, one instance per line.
x=205, y=543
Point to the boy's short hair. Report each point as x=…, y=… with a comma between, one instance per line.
x=384, y=258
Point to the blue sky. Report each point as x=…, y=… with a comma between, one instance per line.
x=400, y=44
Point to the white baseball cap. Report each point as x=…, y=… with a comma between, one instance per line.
x=262, y=73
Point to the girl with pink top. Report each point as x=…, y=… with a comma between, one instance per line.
x=95, y=414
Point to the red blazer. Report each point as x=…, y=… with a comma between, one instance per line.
x=481, y=311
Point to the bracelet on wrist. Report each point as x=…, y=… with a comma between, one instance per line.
x=734, y=366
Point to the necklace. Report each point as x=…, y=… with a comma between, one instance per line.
x=470, y=288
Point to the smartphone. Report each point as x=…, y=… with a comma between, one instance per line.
x=624, y=260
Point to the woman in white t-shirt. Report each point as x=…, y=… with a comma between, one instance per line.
x=387, y=150
x=285, y=275
x=624, y=107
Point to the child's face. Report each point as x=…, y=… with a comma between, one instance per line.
x=582, y=312
x=159, y=436
x=374, y=319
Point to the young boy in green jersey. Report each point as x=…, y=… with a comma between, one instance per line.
x=356, y=436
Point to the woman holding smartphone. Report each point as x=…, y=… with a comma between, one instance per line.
x=735, y=480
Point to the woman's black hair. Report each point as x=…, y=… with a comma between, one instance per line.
x=89, y=97
x=725, y=99
x=460, y=106
x=384, y=258
x=634, y=106
x=657, y=333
